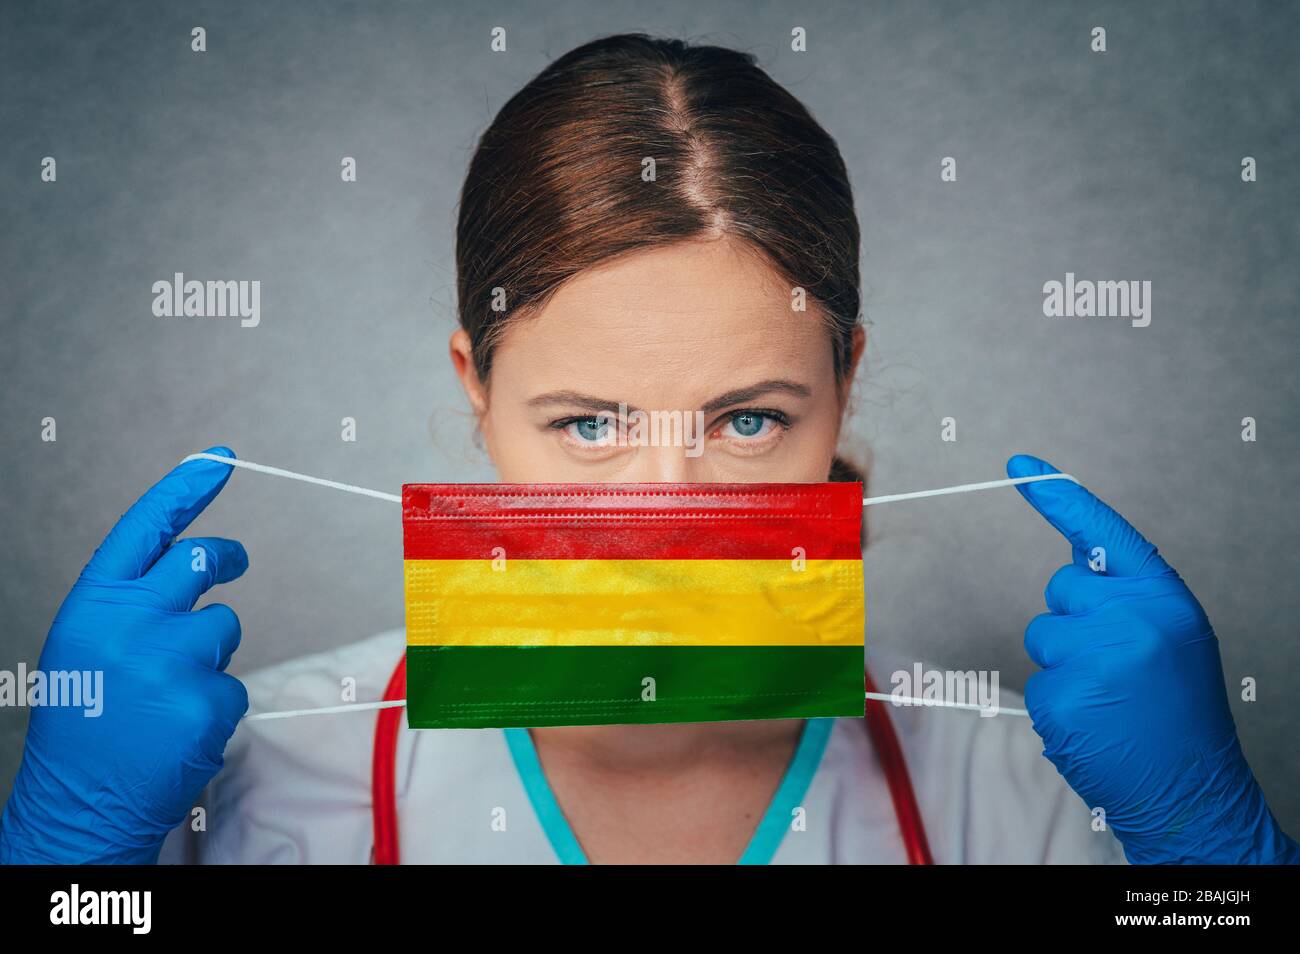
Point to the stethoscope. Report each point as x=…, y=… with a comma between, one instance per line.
x=383, y=781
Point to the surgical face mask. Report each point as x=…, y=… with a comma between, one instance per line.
x=596, y=604
x=746, y=523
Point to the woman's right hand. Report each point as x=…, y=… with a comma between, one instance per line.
x=106, y=786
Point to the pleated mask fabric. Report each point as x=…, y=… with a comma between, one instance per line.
x=596, y=604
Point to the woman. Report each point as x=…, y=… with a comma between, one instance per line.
x=640, y=226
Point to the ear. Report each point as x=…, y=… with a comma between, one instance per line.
x=855, y=356
x=462, y=360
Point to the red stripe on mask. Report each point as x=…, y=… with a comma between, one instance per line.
x=632, y=521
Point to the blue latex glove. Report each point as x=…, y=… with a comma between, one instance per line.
x=1131, y=703
x=107, y=790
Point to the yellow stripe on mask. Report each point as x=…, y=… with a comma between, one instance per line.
x=634, y=603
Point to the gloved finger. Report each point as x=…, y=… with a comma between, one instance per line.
x=1051, y=640
x=1086, y=521
x=153, y=521
x=232, y=702
x=1046, y=692
x=1077, y=589
x=191, y=567
x=210, y=636
x=208, y=717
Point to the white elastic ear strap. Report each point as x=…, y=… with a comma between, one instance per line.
x=394, y=498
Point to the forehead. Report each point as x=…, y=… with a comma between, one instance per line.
x=677, y=323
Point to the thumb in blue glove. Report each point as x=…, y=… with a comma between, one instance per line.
x=1130, y=703
x=108, y=789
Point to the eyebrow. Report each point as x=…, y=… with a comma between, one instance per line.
x=728, y=399
x=745, y=395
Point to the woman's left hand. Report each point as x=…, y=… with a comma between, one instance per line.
x=1130, y=702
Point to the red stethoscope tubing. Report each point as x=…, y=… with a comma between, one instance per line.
x=383, y=778
x=885, y=740
x=383, y=783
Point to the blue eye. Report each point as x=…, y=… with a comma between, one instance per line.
x=749, y=424
x=588, y=429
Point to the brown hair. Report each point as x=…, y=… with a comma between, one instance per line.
x=556, y=185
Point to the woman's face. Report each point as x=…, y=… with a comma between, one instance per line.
x=700, y=338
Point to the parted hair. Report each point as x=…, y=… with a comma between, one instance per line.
x=555, y=185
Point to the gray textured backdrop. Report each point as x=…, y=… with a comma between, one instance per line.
x=226, y=165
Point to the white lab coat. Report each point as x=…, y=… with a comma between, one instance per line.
x=297, y=791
